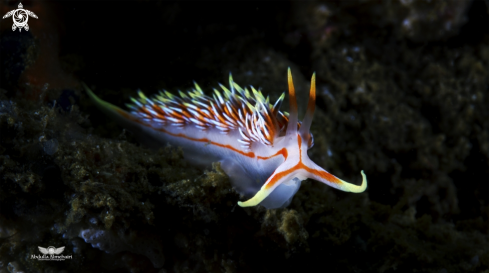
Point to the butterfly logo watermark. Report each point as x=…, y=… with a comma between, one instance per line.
x=51, y=253
x=20, y=16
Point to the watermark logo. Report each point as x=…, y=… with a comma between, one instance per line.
x=51, y=254
x=51, y=250
x=20, y=16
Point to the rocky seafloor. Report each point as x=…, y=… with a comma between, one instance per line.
x=402, y=93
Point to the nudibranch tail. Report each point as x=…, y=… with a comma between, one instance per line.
x=297, y=164
x=126, y=119
x=99, y=102
x=107, y=108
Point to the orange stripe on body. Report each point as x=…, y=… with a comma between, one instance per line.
x=323, y=174
x=282, y=152
x=248, y=154
x=127, y=115
x=132, y=118
x=278, y=176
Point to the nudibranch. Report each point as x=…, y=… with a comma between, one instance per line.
x=261, y=149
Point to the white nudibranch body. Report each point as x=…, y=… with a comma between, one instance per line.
x=261, y=149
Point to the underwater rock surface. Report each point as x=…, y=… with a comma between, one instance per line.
x=405, y=102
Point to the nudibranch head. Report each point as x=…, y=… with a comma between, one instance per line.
x=297, y=164
x=261, y=149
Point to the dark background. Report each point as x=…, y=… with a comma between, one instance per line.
x=402, y=94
